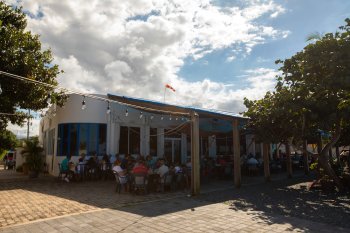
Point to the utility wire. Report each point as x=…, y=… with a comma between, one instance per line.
x=65, y=90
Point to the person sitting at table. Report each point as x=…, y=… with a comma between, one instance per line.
x=252, y=161
x=122, y=173
x=163, y=169
x=80, y=168
x=151, y=163
x=65, y=168
x=140, y=168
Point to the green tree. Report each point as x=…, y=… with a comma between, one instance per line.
x=8, y=140
x=33, y=155
x=21, y=54
x=312, y=95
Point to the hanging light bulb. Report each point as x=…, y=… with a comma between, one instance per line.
x=141, y=115
x=126, y=112
x=152, y=117
x=170, y=118
x=182, y=119
x=176, y=119
x=161, y=117
x=108, y=109
x=0, y=90
x=83, y=104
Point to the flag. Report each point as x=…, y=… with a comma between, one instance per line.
x=170, y=87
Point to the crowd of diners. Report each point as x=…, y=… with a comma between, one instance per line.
x=125, y=169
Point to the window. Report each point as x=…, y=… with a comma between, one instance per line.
x=129, y=140
x=224, y=146
x=153, y=142
x=83, y=132
x=77, y=138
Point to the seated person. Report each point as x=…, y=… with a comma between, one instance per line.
x=140, y=168
x=163, y=169
x=151, y=163
x=252, y=161
x=65, y=168
x=122, y=173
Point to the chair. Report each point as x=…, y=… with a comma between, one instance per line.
x=253, y=169
x=121, y=181
x=61, y=172
x=166, y=181
x=140, y=183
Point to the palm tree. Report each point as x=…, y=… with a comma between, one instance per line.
x=32, y=153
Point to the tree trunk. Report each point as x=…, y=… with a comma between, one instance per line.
x=337, y=153
x=305, y=158
x=324, y=159
x=288, y=161
x=266, y=158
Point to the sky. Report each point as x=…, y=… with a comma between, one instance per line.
x=212, y=52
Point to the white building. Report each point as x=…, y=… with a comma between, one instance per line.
x=131, y=130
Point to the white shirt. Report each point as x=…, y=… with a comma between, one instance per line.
x=252, y=161
x=162, y=170
x=118, y=169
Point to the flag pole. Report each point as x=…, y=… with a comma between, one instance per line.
x=164, y=94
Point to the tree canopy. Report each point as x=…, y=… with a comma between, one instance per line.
x=21, y=54
x=312, y=95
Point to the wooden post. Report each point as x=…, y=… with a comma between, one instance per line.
x=266, y=162
x=289, y=161
x=195, y=178
x=236, y=154
x=306, y=158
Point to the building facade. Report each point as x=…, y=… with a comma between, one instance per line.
x=72, y=131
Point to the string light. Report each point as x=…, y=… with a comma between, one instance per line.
x=83, y=104
x=161, y=117
x=176, y=119
x=0, y=90
x=152, y=117
x=141, y=115
x=108, y=109
x=170, y=118
x=126, y=112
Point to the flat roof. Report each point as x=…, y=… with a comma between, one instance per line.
x=212, y=113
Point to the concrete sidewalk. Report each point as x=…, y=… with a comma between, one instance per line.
x=175, y=215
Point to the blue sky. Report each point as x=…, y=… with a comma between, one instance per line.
x=301, y=18
x=213, y=52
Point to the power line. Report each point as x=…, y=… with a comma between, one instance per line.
x=68, y=91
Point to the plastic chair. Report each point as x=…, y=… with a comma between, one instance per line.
x=166, y=181
x=140, y=183
x=120, y=180
x=61, y=172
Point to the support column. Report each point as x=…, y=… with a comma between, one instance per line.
x=183, y=148
x=306, y=160
x=266, y=159
x=195, y=178
x=289, y=161
x=116, y=138
x=147, y=139
x=236, y=154
x=160, y=142
x=110, y=139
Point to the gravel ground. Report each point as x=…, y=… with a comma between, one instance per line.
x=288, y=198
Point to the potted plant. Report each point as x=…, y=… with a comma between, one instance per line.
x=33, y=156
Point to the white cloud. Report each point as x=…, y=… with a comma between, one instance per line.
x=134, y=47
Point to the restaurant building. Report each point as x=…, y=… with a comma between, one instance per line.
x=123, y=125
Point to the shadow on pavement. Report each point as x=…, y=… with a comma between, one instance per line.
x=267, y=202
